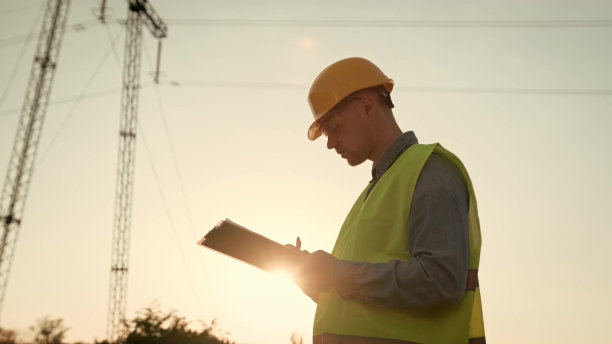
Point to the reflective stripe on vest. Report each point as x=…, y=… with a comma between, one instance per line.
x=375, y=231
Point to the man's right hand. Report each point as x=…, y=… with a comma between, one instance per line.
x=313, y=272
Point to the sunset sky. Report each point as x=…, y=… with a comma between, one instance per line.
x=520, y=90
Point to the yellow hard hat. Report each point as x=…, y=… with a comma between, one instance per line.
x=338, y=81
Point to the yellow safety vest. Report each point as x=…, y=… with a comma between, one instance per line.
x=375, y=231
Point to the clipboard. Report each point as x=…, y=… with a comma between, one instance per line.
x=236, y=241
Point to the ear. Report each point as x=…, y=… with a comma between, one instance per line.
x=368, y=103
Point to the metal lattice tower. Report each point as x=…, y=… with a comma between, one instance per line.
x=139, y=11
x=25, y=146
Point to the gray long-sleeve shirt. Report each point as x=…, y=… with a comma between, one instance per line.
x=438, y=242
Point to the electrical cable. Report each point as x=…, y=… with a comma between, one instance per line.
x=11, y=10
x=112, y=43
x=504, y=90
x=15, y=111
x=80, y=96
x=177, y=170
x=412, y=89
x=238, y=84
x=77, y=27
x=534, y=24
x=407, y=89
x=75, y=104
x=169, y=216
x=162, y=113
x=395, y=23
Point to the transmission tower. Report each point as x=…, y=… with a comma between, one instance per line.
x=139, y=11
x=21, y=163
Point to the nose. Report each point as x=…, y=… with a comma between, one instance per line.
x=331, y=142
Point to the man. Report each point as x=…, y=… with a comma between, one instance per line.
x=404, y=266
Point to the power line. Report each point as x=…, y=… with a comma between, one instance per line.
x=112, y=43
x=413, y=89
x=11, y=10
x=177, y=170
x=74, y=105
x=169, y=216
x=542, y=24
x=516, y=91
x=395, y=23
x=58, y=101
x=77, y=27
x=408, y=89
x=162, y=113
x=237, y=84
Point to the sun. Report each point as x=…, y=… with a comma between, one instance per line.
x=283, y=277
x=306, y=43
x=277, y=284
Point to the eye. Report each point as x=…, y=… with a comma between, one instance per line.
x=328, y=129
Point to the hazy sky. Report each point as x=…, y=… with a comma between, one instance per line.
x=527, y=105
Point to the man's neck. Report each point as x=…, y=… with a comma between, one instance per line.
x=384, y=142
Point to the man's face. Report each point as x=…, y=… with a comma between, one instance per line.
x=346, y=131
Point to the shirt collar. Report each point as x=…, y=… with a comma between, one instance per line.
x=395, y=149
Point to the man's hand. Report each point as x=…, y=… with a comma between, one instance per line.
x=315, y=271
x=313, y=274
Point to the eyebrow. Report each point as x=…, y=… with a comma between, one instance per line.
x=327, y=118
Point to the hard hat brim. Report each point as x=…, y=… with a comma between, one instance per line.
x=315, y=129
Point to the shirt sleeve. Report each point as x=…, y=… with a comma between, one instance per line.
x=438, y=243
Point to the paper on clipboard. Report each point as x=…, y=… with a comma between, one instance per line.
x=231, y=239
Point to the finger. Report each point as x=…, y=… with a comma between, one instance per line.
x=293, y=248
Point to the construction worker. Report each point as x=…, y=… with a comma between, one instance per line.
x=405, y=263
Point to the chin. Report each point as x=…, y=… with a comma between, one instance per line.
x=353, y=162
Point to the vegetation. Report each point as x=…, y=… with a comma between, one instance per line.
x=7, y=336
x=49, y=331
x=152, y=326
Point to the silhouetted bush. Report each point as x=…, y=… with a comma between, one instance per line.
x=152, y=326
x=7, y=336
x=49, y=331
